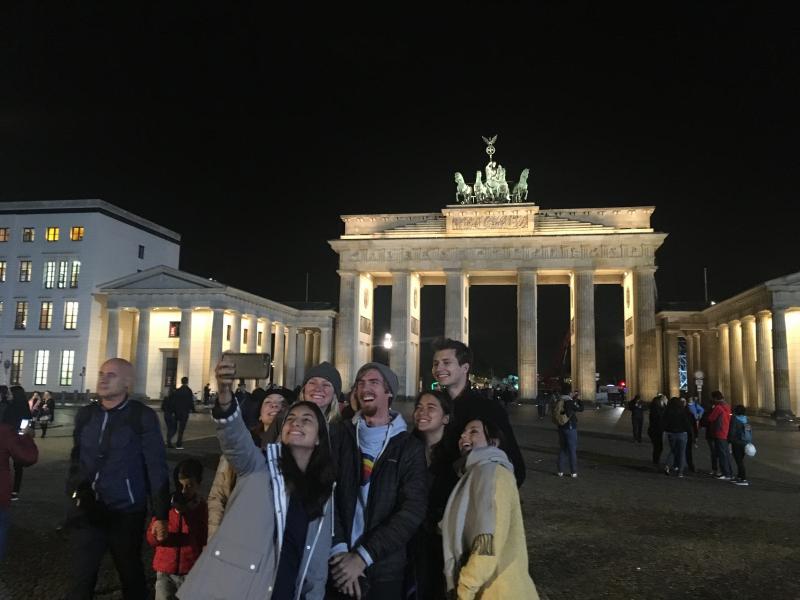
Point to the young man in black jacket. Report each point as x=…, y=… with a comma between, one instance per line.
x=452, y=361
x=381, y=493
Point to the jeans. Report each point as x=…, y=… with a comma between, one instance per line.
x=721, y=447
x=738, y=456
x=167, y=585
x=637, y=428
x=181, y=420
x=677, y=445
x=121, y=534
x=568, y=448
x=4, y=524
x=713, y=451
x=172, y=426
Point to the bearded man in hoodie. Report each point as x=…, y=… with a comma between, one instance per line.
x=381, y=492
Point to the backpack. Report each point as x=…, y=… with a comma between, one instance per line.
x=559, y=414
x=745, y=433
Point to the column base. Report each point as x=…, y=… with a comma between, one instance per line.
x=782, y=415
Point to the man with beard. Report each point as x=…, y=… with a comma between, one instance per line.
x=451, y=364
x=381, y=493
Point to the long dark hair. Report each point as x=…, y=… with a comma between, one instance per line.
x=443, y=398
x=314, y=487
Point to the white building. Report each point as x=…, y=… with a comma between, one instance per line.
x=83, y=280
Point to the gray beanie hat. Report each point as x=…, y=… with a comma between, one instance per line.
x=388, y=375
x=327, y=371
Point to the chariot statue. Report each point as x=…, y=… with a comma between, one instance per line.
x=495, y=190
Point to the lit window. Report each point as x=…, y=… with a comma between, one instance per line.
x=76, y=271
x=70, y=314
x=65, y=370
x=21, y=318
x=49, y=274
x=227, y=333
x=63, y=267
x=46, y=315
x=3, y=234
x=174, y=329
x=17, y=358
x=2, y=270
x=40, y=367
x=76, y=233
x=28, y=233
x=25, y=270
x=52, y=234
x=141, y=251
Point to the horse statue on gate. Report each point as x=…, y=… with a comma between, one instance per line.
x=463, y=191
x=480, y=189
x=520, y=193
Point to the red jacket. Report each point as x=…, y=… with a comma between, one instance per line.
x=186, y=537
x=722, y=412
x=20, y=448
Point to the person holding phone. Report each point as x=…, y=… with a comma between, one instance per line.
x=16, y=445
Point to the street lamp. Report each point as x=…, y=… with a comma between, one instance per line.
x=6, y=366
x=387, y=341
x=698, y=381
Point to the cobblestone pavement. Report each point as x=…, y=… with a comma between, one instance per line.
x=622, y=529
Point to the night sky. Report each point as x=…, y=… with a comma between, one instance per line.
x=249, y=131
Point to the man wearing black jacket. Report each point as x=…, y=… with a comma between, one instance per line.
x=182, y=404
x=451, y=364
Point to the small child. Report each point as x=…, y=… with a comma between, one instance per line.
x=186, y=532
x=739, y=435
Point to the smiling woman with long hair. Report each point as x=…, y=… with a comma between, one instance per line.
x=276, y=536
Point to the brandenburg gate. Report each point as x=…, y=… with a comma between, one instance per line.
x=493, y=236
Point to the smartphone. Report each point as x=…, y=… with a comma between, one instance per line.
x=23, y=426
x=250, y=366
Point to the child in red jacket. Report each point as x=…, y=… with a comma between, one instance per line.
x=186, y=532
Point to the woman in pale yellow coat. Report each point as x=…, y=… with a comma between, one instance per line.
x=485, y=554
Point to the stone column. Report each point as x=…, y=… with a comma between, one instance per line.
x=404, y=354
x=583, y=292
x=690, y=360
x=735, y=342
x=325, y=348
x=527, y=331
x=645, y=328
x=291, y=356
x=308, y=357
x=456, y=307
x=750, y=387
x=725, y=361
x=698, y=358
x=673, y=378
x=315, y=358
x=185, y=347
x=780, y=364
x=710, y=363
x=764, y=374
x=217, y=337
x=142, y=352
x=300, y=361
x=277, y=361
x=266, y=337
x=346, y=327
x=112, y=335
x=252, y=335
x=236, y=332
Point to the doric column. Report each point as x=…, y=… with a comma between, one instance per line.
x=278, y=363
x=308, y=357
x=315, y=360
x=185, y=346
x=236, y=332
x=405, y=324
x=291, y=355
x=266, y=336
x=527, y=330
x=690, y=360
x=764, y=374
x=217, y=337
x=583, y=315
x=735, y=342
x=354, y=325
x=142, y=351
x=645, y=327
x=750, y=386
x=673, y=377
x=300, y=361
x=780, y=364
x=252, y=335
x=698, y=358
x=710, y=361
x=112, y=335
x=725, y=360
x=456, y=306
x=325, y=347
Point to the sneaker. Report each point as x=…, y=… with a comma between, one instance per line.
x=680, y=475
x=724, y=478
x=178, y=447
x=714, y=473
x=559, y=474
x=14, y=496
x=666, y=470
x=574, y=475
x=741, y=482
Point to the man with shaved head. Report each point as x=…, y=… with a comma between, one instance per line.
x=118, y=463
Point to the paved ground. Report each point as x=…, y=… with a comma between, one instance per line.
x=620, y=530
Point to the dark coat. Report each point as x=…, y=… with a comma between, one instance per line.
x=183, y=402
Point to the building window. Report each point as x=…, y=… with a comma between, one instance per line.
x=46, y=315
x=174, y=329
x=141, y=251
x=70, y=314
x=227, y=333
x=28, y=233
x=21, y=318
x=76, y=271
x=49, y=275
x=52, y=234
x=244, y=336
x=17, y=358
x=258, y=338
x=25, y=270
x=2, y=270
x=40, y=367
x=63, y=267
x=3, y=234
x=76, y=233
x=65, y=370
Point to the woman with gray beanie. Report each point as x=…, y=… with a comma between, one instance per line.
x=322, y=386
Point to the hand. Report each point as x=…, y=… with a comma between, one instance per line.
x=346, y=568
x=160, y=530
x=224, y=372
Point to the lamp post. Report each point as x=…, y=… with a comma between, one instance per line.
x=83, y=380
x=698, y=382
x=596, y=382
x=6, y=366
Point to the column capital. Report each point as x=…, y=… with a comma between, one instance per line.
x=645, y=270
x=748, y=319
x=764, y=314
x=722, y=326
